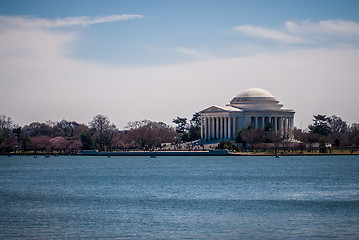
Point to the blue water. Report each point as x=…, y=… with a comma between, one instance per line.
x=179, y=197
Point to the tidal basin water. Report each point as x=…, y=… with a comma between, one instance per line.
x=80, y=197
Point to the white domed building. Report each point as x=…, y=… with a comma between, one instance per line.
x=253, y=106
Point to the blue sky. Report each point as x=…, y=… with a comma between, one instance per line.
x=157, y=60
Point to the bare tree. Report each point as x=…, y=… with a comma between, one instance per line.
x=253, y=135
x=337, y=124
x=104, y=131
x=6, y=126
x=147, y=134
x=68, y=127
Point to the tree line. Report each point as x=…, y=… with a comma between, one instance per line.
x=69, y=136
x=324, y=134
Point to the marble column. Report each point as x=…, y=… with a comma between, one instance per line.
x=202, y=128
x=208, y=126
x=235, y=126
x=221, y=127
x=217, y=127
x=263, y=122
x=229, y=128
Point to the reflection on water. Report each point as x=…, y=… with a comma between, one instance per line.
x=179, y=197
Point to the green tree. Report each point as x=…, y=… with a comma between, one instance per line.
x=321, y=125
x=86, y=139
x=194, y=130
x=228, y=145
x=196, y=119
x=323, y=144
x=268, y=127
x=181, y=123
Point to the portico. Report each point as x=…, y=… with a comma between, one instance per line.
x=253, y=106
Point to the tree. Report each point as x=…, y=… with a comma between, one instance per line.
x=109, y=137
x=181, y=123
x=104, y=131
x=321, y=125
x=188, y=131
x=86, y=140
x=268, y=127
x=300, y=135
x=40, y=143
x=6, y=126
x=194, y=130
x=354, y=134
x=301, y=146
x=276, y=138
x=336, y=124
x=8, y=145
x=59, y=143
x=74, y=145
x=323, y=144
x=147, y=134
x=313, y=138
x=196, y=120
x=68, y=127
x=37, y=129
x=252, y=135
x=338, y=139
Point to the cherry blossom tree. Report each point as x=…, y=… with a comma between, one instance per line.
x=40, y=143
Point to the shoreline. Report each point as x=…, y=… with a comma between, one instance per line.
x=184, y=153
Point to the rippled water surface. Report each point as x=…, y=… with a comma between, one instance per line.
x=179, y=197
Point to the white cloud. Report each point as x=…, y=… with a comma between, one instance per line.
x=35, y=43
x=181, y=50
x=307, y=32
x=34, y=22
x=332, y=27
x=261, y=32
x=192, y=52
x=40, y=82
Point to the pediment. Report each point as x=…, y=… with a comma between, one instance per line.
x=214, y=109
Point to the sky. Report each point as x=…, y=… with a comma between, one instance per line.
x=132, y=60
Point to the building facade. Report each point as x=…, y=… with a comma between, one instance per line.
x=253, y=106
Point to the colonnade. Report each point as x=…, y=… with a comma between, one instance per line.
x=217, y=127
x=227, y=127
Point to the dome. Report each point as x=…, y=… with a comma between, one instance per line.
x=254, y=92
x=255, y=99
x=254, y=95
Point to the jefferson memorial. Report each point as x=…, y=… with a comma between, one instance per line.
x=253, y=106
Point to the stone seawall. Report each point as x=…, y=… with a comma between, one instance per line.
x=157, y=153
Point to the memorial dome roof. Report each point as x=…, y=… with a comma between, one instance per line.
x=254, y=94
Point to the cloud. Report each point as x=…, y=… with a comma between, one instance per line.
x=34, y=22
x=261, y=32
x=57, y=86
x=307, y=32
x=41, y=81
x=331, y=27
x=38, y=44
x=194, y=53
